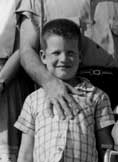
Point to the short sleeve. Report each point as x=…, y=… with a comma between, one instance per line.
x=30, y=9
x=103, y=114
x=26, y=120
x=28, y=6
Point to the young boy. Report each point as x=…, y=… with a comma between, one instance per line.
x=46, y=139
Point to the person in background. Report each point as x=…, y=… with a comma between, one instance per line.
x=99, y=24
x=13, y=87
x=52, y=139
x=115, y=135
x=115, y=132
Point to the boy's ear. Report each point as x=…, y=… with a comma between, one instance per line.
x=43, y=56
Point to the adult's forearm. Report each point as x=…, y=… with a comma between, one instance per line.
x=32, y=64
x=10, y=68
x=29, y=48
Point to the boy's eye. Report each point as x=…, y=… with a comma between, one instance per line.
x=56, y=53
x=70, y=53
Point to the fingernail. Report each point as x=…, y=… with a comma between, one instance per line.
x=62, y=118
x=76, y=111
x=70, y=117
x=47, y=114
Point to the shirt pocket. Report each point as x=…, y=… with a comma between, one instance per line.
x=85, y=120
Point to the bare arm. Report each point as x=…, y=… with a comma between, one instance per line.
x=115, y=133
x=26, y=148
x=29, y=49
x=104, y=140
x=56, y=91
x=10, y=68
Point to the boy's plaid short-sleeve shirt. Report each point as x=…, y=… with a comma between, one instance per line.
x=66, y=140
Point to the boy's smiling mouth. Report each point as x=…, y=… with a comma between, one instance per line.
x=63, y=66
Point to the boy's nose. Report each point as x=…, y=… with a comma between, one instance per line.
x=63, y=56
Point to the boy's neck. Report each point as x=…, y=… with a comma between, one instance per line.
x=73, y=82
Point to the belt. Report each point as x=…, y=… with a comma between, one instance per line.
x=98, y=71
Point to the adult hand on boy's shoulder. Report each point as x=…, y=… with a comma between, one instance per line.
x=58, y=96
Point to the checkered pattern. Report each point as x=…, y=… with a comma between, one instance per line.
x=66, y=140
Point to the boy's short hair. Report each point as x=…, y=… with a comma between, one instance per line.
x=62, y=27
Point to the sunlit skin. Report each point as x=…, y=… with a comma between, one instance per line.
x=61, y=57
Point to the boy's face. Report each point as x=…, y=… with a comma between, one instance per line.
x=61, y=56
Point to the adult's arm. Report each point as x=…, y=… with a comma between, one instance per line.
x=57, y=92
x=10, y=68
